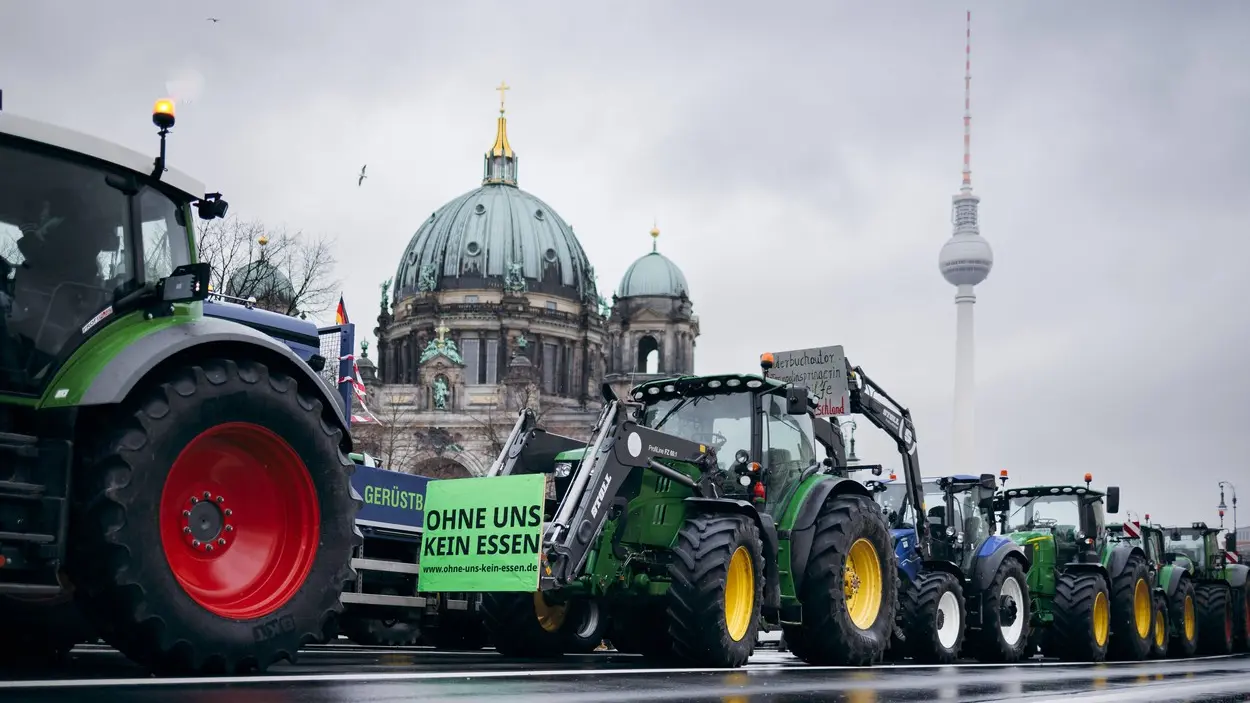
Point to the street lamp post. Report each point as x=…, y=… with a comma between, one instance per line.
x=851, y=458
x=1224, y=507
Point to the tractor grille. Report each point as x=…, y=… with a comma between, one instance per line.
x=331, y=342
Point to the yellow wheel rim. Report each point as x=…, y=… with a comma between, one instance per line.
x=862, y=583
x=1142, y=608
x=1190, y=619
x=1161, y=630
x=739, y=594
x=550, y=617
x=1102, y=619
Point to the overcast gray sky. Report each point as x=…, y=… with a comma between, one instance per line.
x=799, y=159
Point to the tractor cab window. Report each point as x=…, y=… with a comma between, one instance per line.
x=1187, y=544
x=788, y=449
x=720, y=421
x=1153, y=543
x=74, y=238
x=893, y=501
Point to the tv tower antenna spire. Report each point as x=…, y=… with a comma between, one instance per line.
x=967, y=184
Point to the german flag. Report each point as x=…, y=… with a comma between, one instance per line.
x=340, y=313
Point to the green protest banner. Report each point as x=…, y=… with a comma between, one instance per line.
x=482, y=534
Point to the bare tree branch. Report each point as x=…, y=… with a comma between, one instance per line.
x=497, y=419
x=232, y=248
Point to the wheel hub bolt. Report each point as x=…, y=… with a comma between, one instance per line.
x=207, y=495
x=221, y=541
x=195, y=543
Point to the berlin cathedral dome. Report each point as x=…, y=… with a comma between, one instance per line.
x=494, y=306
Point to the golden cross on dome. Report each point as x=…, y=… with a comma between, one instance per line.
x=442, y=330
x=502, y=87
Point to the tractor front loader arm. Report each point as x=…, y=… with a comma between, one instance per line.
x=871, y=401
x=617, y=447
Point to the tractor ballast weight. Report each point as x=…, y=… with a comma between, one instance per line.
x=141, y=439
x=664, y=524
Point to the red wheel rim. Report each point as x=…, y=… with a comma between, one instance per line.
x=239, y=521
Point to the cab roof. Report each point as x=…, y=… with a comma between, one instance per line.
x=1033, y=491
x=678, y=386
x=99, y=149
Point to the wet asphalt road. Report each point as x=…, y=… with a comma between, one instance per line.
x=337, y=674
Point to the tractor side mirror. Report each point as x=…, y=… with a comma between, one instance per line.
x=1113, y=499
x=188, y=283
x=796, y=401
x=1230, y=542
x=988, y=482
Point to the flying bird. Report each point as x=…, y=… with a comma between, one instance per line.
x=213, y=19
x=362, y=175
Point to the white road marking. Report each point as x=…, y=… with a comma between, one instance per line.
x=263, y=679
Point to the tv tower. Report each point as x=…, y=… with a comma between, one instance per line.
x=965, y=261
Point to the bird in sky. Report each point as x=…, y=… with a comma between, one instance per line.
x=362, y=175
x=213, y=19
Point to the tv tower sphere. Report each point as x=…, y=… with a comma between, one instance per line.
x=966, y=259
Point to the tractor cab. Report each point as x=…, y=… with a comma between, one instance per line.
x=960, y=515
x=90, y=234
x=762, y=431
x=1073, y=516
x=1195, y=547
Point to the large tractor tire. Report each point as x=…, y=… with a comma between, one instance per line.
x=529, y=625
x=717, y=588
x=850, y=590
x=933, y=617
x=214, y=521
x=1183, y=614
x=1005, y=612
x=1132, y=611
x=1215, y=617
x=1082, y=627
x=380, y=632
x=1241, y=619
x=1160, y=629
x=40, y=632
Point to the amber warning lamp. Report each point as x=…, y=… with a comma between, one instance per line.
x=767, y=362
x=1002, y=476
x=163, y=118
x=1088, y=478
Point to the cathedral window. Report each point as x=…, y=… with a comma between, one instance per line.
x=551, y=305
x=492, y=362
x=549, y=368
x=470, y=351
x=648, y=355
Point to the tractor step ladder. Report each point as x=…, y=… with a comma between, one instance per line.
x=34, y=512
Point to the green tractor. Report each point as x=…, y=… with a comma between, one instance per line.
x=182, y=480
x=1091, y=595
x=1221, y=594
x=1176, y=623
x=699, y=512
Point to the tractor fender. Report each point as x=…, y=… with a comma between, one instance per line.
x=1081, y=567
x=804, y=529
x=1172, y=578
x=989, y=557
x=768, y=536
x=946, y=567
x=1120, y=556
x=1236, y=574
x=198, y=339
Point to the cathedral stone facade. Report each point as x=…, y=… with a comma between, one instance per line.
x=494, y=307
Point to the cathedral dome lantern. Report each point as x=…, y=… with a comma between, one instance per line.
x=264, y=282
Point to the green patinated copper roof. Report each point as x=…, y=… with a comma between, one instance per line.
x=653, y=274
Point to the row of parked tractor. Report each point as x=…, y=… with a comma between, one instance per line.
x=178, y=477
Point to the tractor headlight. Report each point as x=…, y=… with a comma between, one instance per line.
x=950, y=531
x=563, y=469
x=959, y=538
x=745, y=479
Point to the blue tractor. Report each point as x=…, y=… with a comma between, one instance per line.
x=964, y=589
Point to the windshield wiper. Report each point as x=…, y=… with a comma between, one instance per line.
x=692, y=400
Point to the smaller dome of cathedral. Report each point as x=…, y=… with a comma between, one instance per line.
x=653, y=275
x=261, y=280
